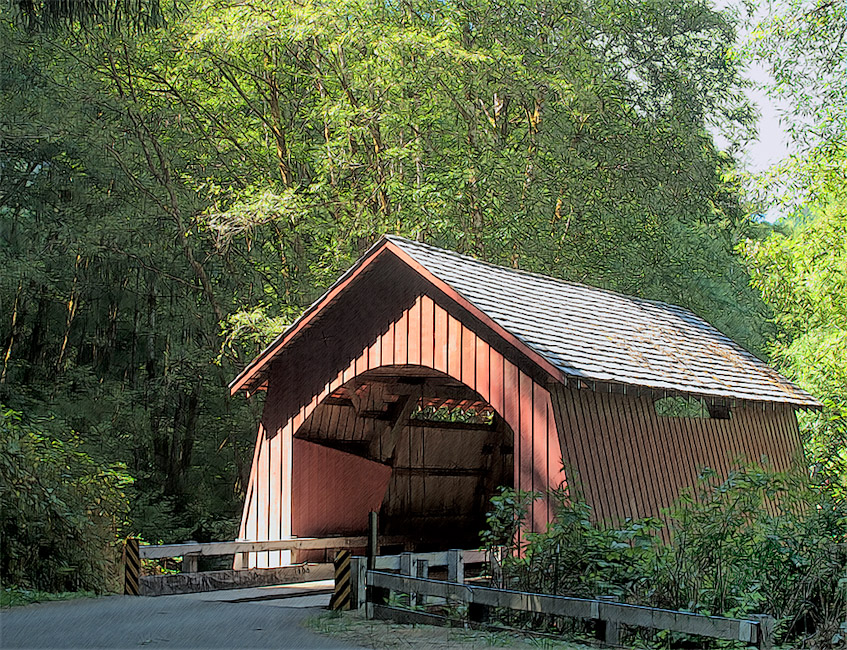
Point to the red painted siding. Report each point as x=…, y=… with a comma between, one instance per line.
x=626, y=460
x=633, y=463
x=456, y=348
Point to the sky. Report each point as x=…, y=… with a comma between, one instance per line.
x=772, y=144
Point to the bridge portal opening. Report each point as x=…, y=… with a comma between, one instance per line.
x=417, y=445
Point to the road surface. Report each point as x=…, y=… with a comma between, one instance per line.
x=267, y=617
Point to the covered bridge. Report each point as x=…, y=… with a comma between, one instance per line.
x=545, y=383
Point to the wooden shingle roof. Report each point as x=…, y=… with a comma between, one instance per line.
x=586, y=333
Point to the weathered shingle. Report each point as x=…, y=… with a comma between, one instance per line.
x=600, y=335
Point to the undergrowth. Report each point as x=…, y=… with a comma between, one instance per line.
x=757, y=542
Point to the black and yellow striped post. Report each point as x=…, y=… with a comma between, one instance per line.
x=132, y=566
x=341, y=596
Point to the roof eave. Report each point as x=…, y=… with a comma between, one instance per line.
x=242, y=381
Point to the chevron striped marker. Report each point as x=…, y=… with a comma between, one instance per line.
x=132, y=567
x=341, y=597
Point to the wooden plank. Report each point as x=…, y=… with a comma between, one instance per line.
x=263, y=477
x=622, y=462
x=413, y=345
x=640, y=447
x=441, y=338
x=568, y=447
x=495, y=392
x=521, y=601
x=286, y=487
x=539, y=457
x=186, y=583
x=666, y=472
x=468, y=358
x=612, y=472
x=375, y=354
x=481, y=374
x=435, y=559
x=401, y=339
x=454, y=347
x=427, y=332
x=555, y=473
x=524, y=470
x=650, y=437
x=388, y=346
x=659, y=619
x=511, y=414
x=275, y=497
x=384, y=445
x=591, y=474
x=211, y=549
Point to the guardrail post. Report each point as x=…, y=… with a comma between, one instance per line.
x=132, y=566
x=190, y=562
x=407, y=568
x=376, y=595
x=421, y=571
x=764, y=641
x=607, y=631
x=358, y=583
x=455, y=566
x=373, y=538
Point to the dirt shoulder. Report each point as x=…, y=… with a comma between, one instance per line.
x=382, y=635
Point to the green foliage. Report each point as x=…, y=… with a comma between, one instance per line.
x=681, y=407
x=173, y=196
x=804, y=44
x=577, y=558
x=803, y=275
x=754, y=542
x=60, y=512
x=508, y=510
x=16, y=596
x=457, y=414
x=760, y=541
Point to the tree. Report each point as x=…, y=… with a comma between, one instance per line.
x=805, y=46
x=172, y=197
x=802, y=273
x=802, y=268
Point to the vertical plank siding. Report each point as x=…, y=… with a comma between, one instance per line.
x=626, y=460
x=633, y=463
x=423, y=334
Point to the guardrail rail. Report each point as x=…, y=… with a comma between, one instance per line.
x=371, y=588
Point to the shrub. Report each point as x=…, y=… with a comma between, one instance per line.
x=757, y=541
x=60, y=512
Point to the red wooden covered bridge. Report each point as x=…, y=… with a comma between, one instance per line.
x=546, y=383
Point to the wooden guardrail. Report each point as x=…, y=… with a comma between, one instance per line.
x=371, y=587
x=190, y=580
x=211, y=549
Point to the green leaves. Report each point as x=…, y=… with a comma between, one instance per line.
x=60, y=512
x=803, y=275
x=752, y=542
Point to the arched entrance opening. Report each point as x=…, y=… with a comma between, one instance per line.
x=416, y=444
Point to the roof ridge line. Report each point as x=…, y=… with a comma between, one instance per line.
x=536, y=274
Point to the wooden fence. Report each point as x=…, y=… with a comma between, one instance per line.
x=371, y=588
x=190, y=580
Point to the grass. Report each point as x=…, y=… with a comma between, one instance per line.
x=17, y=596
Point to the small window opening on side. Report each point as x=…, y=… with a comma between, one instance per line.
x=689, y=407
x=447, y=414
